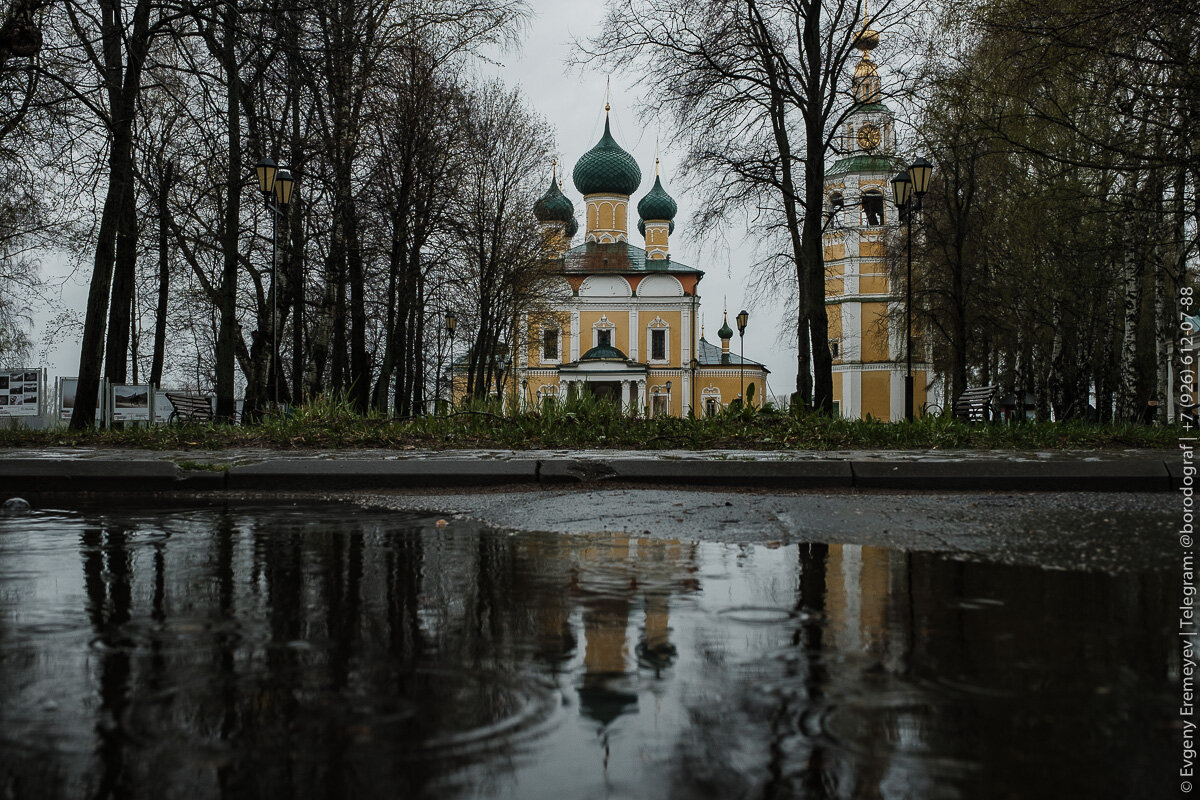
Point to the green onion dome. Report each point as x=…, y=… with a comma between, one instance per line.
x=657, y=204
x=554, y=206
x=726, y=332
x=607, y=169
x=572, y=228
x=603, y=353
x=642, y=227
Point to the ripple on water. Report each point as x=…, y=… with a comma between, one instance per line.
x=763, y=615
x=427, y=714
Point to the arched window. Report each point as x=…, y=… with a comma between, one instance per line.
x=872, y=207
x=836, y=204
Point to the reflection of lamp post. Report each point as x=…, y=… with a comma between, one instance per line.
x=276, y=187
x=743, y=318
x=668, y=398
x=907, y=190
x=451, y=324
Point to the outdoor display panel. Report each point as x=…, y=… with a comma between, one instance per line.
x=66, y=398
x=20, y=392
x=130, y=402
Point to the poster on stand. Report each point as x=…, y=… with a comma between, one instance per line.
x=162, y=408
x=66, y=398
x=20, y=392
x=130, y=402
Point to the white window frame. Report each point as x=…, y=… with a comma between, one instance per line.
x=873, y=191
x=542, y=345
x=604, y=323
x=710, y=393
x=658, y=324
x=655, y=394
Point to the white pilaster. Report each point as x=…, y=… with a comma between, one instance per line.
x=634, y=334
x=575, y=335
x=641, y=397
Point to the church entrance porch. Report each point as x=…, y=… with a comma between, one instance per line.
x=609, y=391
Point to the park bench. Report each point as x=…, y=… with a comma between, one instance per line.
x=975, y=405
x=189, y=408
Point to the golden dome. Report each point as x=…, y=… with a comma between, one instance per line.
x=867, y=39
x=866, y=67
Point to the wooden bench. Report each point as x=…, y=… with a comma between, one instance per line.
x=189, y=408
x=975, y=405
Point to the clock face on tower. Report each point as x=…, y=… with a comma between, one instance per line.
x=869, y=137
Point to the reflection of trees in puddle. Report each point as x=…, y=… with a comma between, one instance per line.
x=301, y=655
x=926, y=677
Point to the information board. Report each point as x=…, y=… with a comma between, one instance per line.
x=130, y=402
x=66, y=398
x=20, y=392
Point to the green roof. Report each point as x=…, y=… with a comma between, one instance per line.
x=554, y=206
x=607, y=169
x=618, y=257
x=657, y=204
x=710, y=355
x=863, y=163
x=604, y=353
x=869, y=107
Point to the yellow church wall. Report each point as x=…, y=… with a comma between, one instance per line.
x=872, y=249
x=730, y=387
x=620, y=321
x=833, y=252
x=873, y=284
x=920, y=395
x=674, y=335
x=876, y=394
x=834, y=314
x=621, y=217
x=835, y=287
x=837, y=387
x=874, y=332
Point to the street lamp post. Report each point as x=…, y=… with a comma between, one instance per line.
x=668, y=398
x=451, y=324
x=743, y=318
x=276, y=185
x=907, y=190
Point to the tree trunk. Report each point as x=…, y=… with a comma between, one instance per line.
x=120, y=309
x=164, y=275
x=124, y=86
x=229, y=330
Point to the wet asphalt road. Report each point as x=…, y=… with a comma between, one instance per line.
x=1113, y=532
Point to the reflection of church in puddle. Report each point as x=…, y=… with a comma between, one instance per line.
x=604, y=581
x=626, y=328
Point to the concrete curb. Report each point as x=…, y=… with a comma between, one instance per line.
x=99, y=475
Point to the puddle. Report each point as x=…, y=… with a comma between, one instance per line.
x=326, y=651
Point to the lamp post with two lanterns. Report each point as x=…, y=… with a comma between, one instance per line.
x=907, y=190
x=276, y=185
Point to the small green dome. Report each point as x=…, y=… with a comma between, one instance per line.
x=642, y=228
x=554, y=206
x=572, y=228
x=604, y=352
x=607, y=169
x=657, y=204
x=726, y=332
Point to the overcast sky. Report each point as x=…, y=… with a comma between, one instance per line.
x=572, y=102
